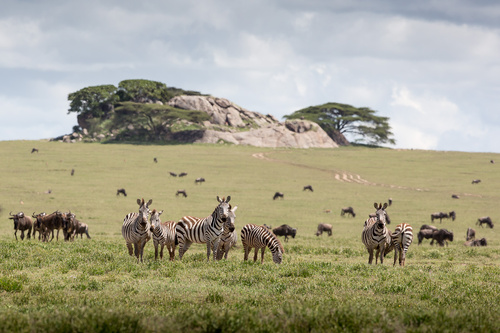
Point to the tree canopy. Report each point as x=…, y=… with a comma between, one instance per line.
x=93, y=101
x=362, y=123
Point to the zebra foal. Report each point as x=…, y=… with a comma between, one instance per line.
x=401, y=239
x=229, y=236
x=259, y=237
x=203, y=231
x=375, y=235
x=136, y=229
x=163, y=234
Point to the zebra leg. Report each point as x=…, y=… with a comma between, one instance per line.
x=161, y=252
x=183, y=249
x=262, y=255
x=255, y=255
x=130, y=249
x=208, y=251
x=247, y=250
x=382, y=251
x=156, y=250
x=370, y=258
x=396, y=252
x=215, y=249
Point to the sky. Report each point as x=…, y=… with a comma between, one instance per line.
x=432, y=67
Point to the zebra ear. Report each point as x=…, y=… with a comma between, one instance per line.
x=160, y=212
x=139, y=201
x=218, y=199
x=234, y=209
x=228, y=198
x=149, y=202
x=385, y=205
x=375, y=205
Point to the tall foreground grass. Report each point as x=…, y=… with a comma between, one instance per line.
x=324, y=283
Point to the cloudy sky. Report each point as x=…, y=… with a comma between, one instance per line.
x=432, y=67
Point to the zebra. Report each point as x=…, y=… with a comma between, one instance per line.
x=229, y=237
x=163, y=234
x=207, y=230
x=258, y=237
x=375, y=235
x=402, y=238
x=136, y=229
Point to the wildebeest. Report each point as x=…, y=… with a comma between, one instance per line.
x=181, y=192
x=476, y=181
x=426, y=226
x=441, y=216
x=183, y=174
x=470, y=235
x=82, y=228
x=278, y=195
x=155, y=160
x=173, y=174
x=441, y=236
x=308, y=187
x=21, y=223
x=70, y=225
x=455, y=196
x=476, y=242
x=323, y=227
x=486, y=220
x=285, y=230
x=425, y=233
x=199, y=180
x=347, y=210
x=72, y=172
x=389, y=201
x=40, y=228
x=122, y=191
x=34, y=150
x=50, y=222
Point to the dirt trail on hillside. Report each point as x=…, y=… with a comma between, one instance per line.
x=341, y=176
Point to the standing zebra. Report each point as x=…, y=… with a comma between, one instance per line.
x=208, y=230
x=136, y=229
x=163, y=234
x=402, y=238
x=375, y=235
x=229, y=236
x=258, y=237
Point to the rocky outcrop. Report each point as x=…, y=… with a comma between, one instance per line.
x=233, y=124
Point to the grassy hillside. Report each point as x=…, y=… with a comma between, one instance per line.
x=324, y=282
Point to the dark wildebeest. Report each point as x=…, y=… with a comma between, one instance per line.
x=323, y=227
x=278, y=195
x=21, y=223
x=182, y=192
x=34, y=150
x=173, y=174
x=155, y=160
x=425, y=233
x=70, y=225
x=347, y=210
x=183, y=174
x=285, y=230
x=455, y=196
x=470, y=235
x=51, y=222
x=389, y=202
x=426, y=226
x=476, y=242
x=442, y=216
x=308, y=187
x=441, y=236
x=486, y=220
x=492, y=162
x=40, y=228
x=122, y=191
x=476, y=181
x=199, y=180
x=72, y=172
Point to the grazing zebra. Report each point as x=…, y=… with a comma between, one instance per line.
x=258, y=237
x=163, y=234
x=402, y=238
x=229, y=236
x=375, y=235
x=203, y=231
x=136, y=229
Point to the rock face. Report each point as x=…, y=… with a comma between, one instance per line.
x=233, y=124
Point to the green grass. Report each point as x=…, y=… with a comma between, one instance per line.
x=324, y=283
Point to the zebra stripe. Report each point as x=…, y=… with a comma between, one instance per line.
x=375, y=235
x=229, y=236
x=402, y=238
x=203, y=231
x=136, y=229
x=163, y=234
x=259, y=237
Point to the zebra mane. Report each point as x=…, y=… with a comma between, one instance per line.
x=273, y=236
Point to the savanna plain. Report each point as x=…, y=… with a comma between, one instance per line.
x=323, y=284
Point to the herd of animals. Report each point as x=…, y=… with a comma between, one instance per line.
x=218, y=232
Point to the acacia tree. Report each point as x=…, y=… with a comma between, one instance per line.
x=93, y=102
x=141, y=91
x=338, y=119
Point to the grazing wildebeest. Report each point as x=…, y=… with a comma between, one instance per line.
x=347, y=210
x=476, y=242
x=441, y=216
x=455, y=196
x=486, y=220
x=476, y=181
x=278, y=195
x=173, y=174
x=441, y=236
x=183, y=174
x=470, y=235
x=21, y=223
x=308, y=187
x=122, y=191
x=323, y=227
x=34, y=150
x=182, y=192
x=199, y=180
x=425, y=233
x=155, y=160
x=285, y=230
x=72, y=172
